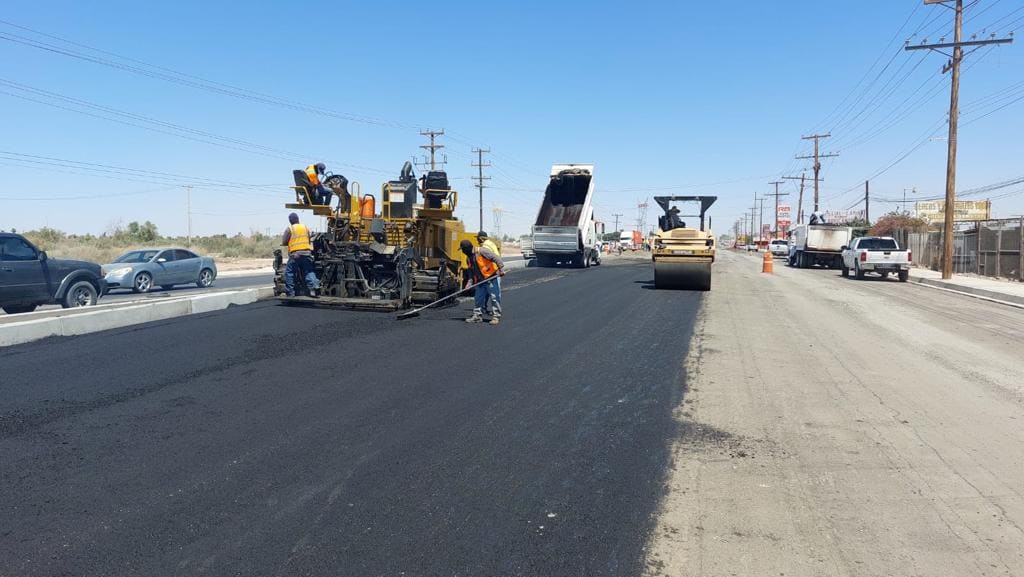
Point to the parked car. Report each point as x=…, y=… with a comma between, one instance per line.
x=141, y=270
x=29, y=278
x=779, y=247
x=879, y=254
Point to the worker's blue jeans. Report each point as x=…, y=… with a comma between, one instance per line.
x=484, y=293
x=302, y=264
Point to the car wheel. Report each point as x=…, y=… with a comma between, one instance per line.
x=18, y=309
x=845, y=272
x=143, y=283
x=205, y=278
x=81, y=294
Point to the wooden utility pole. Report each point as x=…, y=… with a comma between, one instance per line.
x=954, y=113
x=817, y=162
x=188, y=212
x=799, y=203
x=760, y=221
x=867, y=202
x=777, y=194
x=617, y=217
x=481, y=179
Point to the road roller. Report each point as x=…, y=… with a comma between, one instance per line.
x=683, y=254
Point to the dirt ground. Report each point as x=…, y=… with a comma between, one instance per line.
x=843, y=427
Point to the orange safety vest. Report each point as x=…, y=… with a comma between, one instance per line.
x=314, y=178
x=299, y=239
x=486, y=266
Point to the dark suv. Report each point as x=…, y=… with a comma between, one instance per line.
x=29, y=279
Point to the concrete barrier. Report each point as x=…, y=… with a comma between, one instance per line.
x=23, y=332
x=219, y=301
x=92, y=321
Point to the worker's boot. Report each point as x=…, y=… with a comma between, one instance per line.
x=476, y=317
x=495, y=319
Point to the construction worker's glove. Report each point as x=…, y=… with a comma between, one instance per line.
x=501, y=272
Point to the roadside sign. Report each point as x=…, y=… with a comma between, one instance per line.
x=963, y=210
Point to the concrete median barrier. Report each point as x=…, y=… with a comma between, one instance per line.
x=82, y=322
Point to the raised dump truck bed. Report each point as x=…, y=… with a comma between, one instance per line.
x=565, y=230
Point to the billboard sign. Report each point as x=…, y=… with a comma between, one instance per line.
x=963, y=210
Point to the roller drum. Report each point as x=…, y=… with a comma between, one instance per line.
x=682, y=275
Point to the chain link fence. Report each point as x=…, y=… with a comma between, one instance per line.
x=992, y=248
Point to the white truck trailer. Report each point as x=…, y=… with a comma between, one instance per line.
x=818, y=244
x=566, y=231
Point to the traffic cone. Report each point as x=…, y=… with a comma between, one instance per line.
x=768, y=265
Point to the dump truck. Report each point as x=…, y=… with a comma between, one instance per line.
x=682, y=254
x=818, y=244
x=566, y=231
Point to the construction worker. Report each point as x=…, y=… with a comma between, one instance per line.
x=300, y=257
x=316, y=174
x=485, y=242
x=484, y=265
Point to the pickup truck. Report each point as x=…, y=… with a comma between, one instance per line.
x=29, y=278
x=779, y=247
x=878, y=254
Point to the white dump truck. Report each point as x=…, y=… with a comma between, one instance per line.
x=566, y=231
x=818, y=244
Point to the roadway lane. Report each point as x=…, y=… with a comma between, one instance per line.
x=267, y=440
x=221, y=284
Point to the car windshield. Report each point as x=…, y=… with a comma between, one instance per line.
x=136, y=256
x=878, y=244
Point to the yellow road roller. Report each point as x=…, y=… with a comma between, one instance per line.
x=683, y=255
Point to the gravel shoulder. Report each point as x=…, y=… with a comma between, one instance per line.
x=841, y=427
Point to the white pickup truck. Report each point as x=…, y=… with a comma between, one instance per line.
x=878, y=254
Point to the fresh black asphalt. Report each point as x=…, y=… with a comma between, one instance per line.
x=269, y=440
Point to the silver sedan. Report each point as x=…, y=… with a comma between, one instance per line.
x=141, y=270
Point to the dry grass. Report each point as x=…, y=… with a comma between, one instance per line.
x=105, y=248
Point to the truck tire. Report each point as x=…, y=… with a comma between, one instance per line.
x=904, y=275
x=80, y=294
x=845, y=272
x=857, y=272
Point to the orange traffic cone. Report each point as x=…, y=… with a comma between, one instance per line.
x=769, y=264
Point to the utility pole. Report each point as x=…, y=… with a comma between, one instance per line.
x=480, y=178
x=760, y=221
x=753, y=214
x=777, y=194
x=954, y=114
x=867, y=202
x=433, y=147
x=800, y=202
x=817, y=162
x=617, y=217
x=188, y=211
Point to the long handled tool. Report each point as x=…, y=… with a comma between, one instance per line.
x=416, y=312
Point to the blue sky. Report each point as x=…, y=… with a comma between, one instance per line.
x=656, y=95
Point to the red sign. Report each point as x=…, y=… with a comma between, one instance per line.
x=784, y=223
